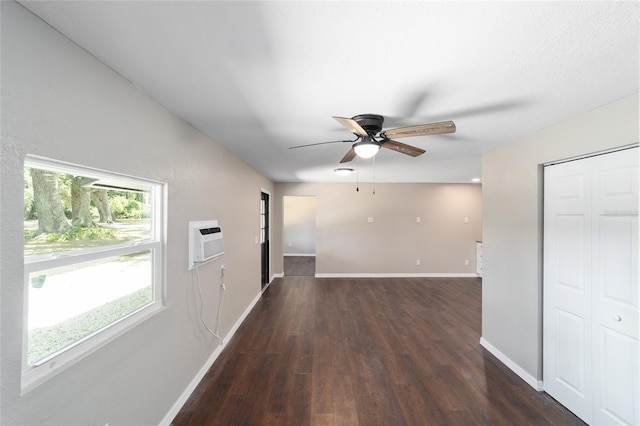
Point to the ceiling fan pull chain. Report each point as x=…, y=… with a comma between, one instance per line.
x=357, y=175
x=374, y=175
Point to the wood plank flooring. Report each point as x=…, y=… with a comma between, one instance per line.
x=401, y=351
x=300, y=266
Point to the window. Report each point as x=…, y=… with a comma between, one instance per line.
x=93, y=261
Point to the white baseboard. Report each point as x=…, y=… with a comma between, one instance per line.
x=400, y=275
x=278, y=275
x=175, y=409
x=300, y=254
x=528, y=378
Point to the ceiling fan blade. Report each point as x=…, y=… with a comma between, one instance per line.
x=402, y=148
x=349, y=156
x=319, y=143
x=351, y=125
x=421, y=130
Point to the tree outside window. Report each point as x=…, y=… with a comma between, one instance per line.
x=92, y=245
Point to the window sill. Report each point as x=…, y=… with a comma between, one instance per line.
x=34, y=376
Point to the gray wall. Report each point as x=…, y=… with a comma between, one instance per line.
x=512, y=223
x=299, y=225
x=346, y=243
x=60, y=102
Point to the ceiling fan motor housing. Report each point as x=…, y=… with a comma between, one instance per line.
x=371, y=123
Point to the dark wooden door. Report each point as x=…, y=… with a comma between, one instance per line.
x=264, y=238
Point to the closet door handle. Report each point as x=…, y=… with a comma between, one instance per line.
x=617, y=318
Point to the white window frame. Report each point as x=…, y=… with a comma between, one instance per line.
x=34, y=375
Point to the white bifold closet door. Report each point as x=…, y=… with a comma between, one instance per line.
x=590, y=291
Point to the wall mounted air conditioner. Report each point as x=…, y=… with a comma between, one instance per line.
x=205, y=242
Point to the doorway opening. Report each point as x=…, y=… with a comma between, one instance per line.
x=299, y=235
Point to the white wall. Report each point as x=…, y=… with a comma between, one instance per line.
x=512, y=224
x=347, y=243
x=60, y=102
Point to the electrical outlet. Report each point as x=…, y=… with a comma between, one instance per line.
x=418, y=219
x=466, y=220
x=417, y=262
x=370, y=219
x=466, y=262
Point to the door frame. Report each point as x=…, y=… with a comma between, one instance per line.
x=265, y=263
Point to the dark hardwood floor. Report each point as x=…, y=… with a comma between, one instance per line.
x=300, y=266
x=402, y=351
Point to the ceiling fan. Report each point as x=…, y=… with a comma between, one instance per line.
x=370, y=137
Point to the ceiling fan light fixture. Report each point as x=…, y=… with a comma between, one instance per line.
x=366, y=149
x=343, y=171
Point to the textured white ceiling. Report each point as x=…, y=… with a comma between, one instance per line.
x=259, y=77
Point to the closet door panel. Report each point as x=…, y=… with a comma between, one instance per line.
x=567, y=287
x=615, y=288
x=590, y=294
